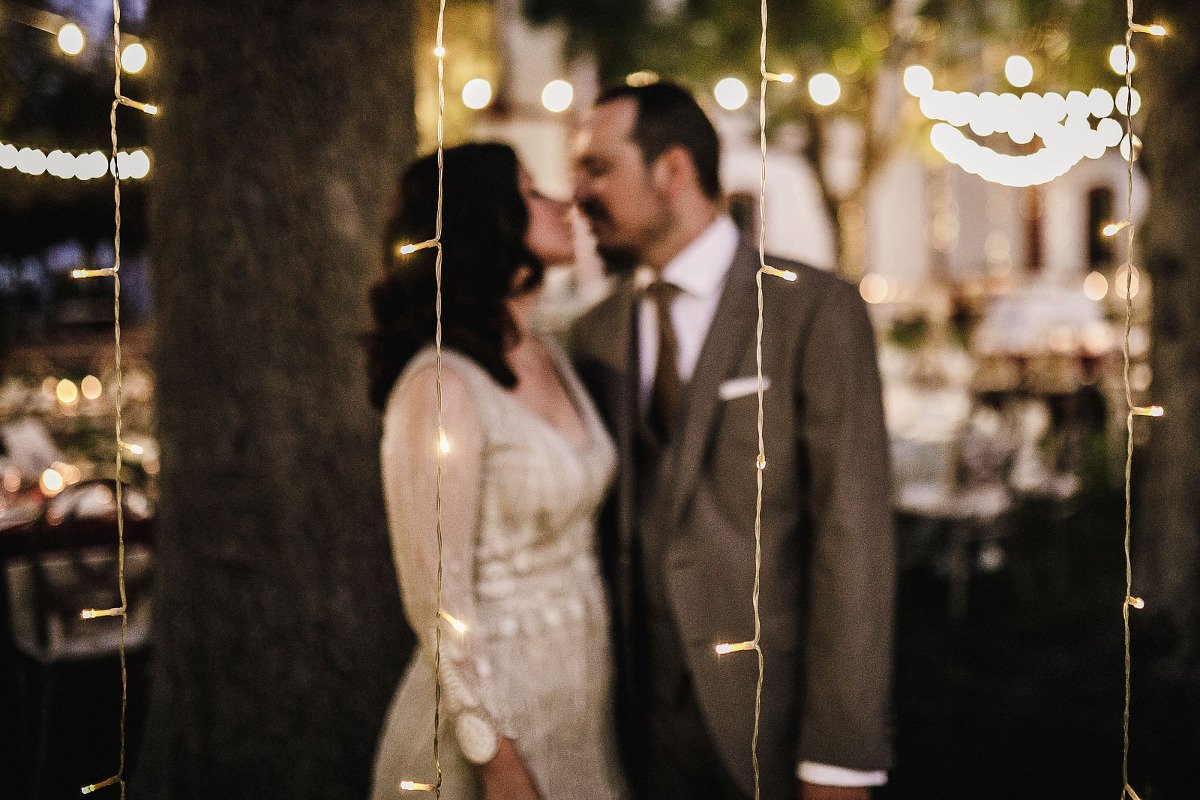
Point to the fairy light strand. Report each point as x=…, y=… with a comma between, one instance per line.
x=121, y=611
x=1128, y=225
x=760, y=463
x=439, y=52
x=437, y=235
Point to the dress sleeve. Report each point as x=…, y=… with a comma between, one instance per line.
x=409, y=456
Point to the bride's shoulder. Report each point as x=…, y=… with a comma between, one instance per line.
x=457, y=378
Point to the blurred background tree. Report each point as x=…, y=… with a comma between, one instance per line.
x=1167, y=527
x=278, y=633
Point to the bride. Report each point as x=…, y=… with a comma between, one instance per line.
x=525, y=664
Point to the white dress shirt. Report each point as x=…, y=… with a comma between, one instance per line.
x=699, y=271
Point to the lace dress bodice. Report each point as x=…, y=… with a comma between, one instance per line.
x=519, y=570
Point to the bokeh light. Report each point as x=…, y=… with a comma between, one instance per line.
x=1116, y=59
x=133, y=58
x=731, y=94
x=824, y=89
x=66, y=392
x=477, y=93
x=918, y=80
x=1095, y=286
x=1018, y=71
x=70, y=39
x=557, y=96
x=91, y=387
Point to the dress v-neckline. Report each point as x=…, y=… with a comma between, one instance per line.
x=578, y=404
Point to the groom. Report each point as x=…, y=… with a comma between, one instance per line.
x=670, y=360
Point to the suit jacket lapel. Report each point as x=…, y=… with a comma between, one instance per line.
x=732, y=326
x=624, y=404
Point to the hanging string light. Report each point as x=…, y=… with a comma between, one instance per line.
x=1125, y=66
x=760, y=462
x=443, y=444
x=122, y=446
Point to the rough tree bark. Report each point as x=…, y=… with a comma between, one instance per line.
x=1167, y=537
x=278, y=638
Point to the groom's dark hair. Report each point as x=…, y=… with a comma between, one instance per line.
x=669, y=116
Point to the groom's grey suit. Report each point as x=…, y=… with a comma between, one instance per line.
x=827, y=535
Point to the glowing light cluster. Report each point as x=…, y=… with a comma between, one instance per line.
x=1062, y=123
x=133, y=164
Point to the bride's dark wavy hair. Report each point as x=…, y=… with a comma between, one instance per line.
x=484, y=221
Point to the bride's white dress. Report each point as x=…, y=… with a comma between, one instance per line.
x=519, y=501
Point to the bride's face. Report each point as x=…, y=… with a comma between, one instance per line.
x=549, y=235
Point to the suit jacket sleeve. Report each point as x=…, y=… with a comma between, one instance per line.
x=846, y=693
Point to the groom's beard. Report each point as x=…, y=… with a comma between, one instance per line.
x=618, y=260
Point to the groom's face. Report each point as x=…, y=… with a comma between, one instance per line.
x=615, y=190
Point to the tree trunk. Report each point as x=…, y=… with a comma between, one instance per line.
x=1167, y=535
x=278, y=626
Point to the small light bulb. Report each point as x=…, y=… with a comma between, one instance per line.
x=1113, y=228
x=413, y=786
x=1136, y=602
x=443, y=442
x=439, y=51
x=96, y=613
x=454, y=622
x=1153, y=30
x=95, y=786
x=786, y=274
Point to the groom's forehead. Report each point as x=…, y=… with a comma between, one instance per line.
x=608, y=127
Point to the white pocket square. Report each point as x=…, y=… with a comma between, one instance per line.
x=740, y=387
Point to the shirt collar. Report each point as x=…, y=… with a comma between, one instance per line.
x=699, y=269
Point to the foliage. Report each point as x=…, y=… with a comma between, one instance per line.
x=908, y=333
x=703, y=39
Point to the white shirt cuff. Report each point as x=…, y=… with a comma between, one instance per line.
x=827, y=775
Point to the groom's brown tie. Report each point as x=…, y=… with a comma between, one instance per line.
x=665, y=395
